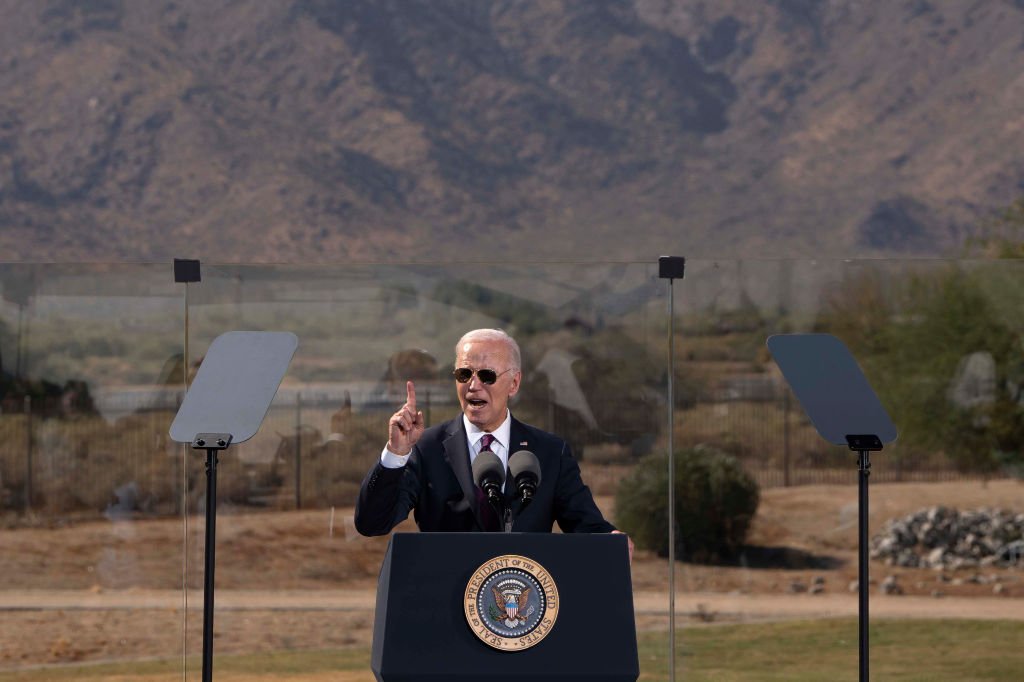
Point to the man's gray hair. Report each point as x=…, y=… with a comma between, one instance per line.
x=493, y=335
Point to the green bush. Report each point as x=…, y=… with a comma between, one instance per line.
x=715, y=503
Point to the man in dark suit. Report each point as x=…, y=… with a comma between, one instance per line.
x=429, y=471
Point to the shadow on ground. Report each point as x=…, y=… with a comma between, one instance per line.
x=785, y=557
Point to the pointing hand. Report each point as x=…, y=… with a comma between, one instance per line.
x=405, y=426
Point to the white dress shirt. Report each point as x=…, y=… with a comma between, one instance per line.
x=499, y=445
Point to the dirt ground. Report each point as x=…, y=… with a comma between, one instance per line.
x=111, y=589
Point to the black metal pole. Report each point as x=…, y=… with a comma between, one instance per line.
x=211, y=533
x=864, y=465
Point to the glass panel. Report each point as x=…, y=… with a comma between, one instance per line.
x=90, y=487
x=292, y=572
x=941, y=344
x=102, y=514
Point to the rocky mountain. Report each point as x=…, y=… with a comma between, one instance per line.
x=423, y=130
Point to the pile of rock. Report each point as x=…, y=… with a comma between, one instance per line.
x=944, y=538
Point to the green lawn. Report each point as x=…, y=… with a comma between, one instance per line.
x=794, y=651
x=817, y=650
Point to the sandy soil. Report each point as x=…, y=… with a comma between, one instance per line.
x=111, y=590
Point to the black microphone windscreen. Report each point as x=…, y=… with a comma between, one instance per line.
x=524, y=462
x=487, y=466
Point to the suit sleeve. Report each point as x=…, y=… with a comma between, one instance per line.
x=386, y=496
x=575, y=509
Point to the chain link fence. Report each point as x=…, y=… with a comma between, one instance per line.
x=315, y=447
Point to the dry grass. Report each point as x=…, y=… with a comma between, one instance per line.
x=274, y=552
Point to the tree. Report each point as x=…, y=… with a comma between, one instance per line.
x=917, y=338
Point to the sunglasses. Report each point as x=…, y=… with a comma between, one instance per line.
x=486, y=376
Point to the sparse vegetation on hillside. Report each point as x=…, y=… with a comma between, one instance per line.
x=427, y=130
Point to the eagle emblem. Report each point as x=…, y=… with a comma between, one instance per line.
x=511, y=597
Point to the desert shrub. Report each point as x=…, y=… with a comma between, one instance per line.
x=715, y=503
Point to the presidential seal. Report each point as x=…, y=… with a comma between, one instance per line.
x=511, y=602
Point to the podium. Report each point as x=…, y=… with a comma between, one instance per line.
x=435, y=589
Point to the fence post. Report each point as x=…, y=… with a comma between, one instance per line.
x=28, y=453
x=298, y=450
x=785, y=438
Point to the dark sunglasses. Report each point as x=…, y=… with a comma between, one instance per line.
x=486, y=376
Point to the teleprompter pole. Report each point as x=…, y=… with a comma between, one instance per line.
x=213, y=443
x=864, y=464
x=863, y=445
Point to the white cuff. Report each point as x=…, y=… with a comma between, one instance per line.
x=390, y=460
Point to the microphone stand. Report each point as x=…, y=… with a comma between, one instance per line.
x=507, y=522
x=497, y=503
x=526, y=490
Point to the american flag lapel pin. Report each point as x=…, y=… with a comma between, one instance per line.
x=523, y=444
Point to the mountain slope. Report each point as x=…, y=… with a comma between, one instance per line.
x=318, y=130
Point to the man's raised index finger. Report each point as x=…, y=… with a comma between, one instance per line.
x=410, y=395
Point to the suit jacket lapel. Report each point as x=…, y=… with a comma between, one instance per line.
x=518, y=440
x=456, y=453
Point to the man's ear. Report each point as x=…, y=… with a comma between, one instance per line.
x=516, y=380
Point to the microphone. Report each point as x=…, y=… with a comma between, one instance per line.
x=525, y=469
x=489, y=476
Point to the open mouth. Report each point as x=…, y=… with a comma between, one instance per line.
x=476, y=402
